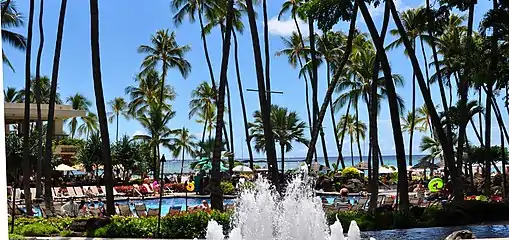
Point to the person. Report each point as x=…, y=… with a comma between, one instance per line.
x=83, y=210
x=344, y=194
x=324, y=200
x=100, y=206
x=89, y=193
x=204, y=204
x=420, y=192
x=70, y=208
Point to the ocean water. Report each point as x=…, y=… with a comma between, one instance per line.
x=173, y=166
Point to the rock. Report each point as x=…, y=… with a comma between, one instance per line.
x=327, y=185
x=354, y=185
x=461, y=234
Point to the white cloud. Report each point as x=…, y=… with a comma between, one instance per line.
x=285, y=27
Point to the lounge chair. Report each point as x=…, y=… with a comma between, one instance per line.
x=152, y=212
x=71, y=192
x=79, y=192
x=140, y=210
x=33, y=193
x=149, y=190
x=125, y=210
x=57, y=196
x=388, y=201
x=96, y=192
x=115, y=193
x=360, y=205
x=175, y=209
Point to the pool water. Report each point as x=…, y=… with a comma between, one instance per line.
x=351, y=199
x=167, y=203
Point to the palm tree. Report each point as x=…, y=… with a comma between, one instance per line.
x=146, y=92
x=208, y=121
x=11, y=95
x=184, y=142
x=287, y=128
x=118, y=107
x=168, y=53
x=11, y=18
x=409, y=124
x=101, y=108
x=44, y=89
x=155, y=121
x=53, y=97
x=264, y=106
x=38, y=189
x=202, y=103
x=26, y=121
x=190, y=8
x=354, y=128
x=78, y=102
x=89, y=125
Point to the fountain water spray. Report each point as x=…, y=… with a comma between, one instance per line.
x=261, y=213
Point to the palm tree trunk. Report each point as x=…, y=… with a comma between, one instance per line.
x=265, y=107
x=205, y=49
x=243, y=103
x=480, y=115
x=357, y=133
x=504, y=173
x=412, y=122
x=307, y=102
x=216, y=195
x=340, y=155
x=182, y=165
x=447, y=148
x=463, y=93
x=282, y=158
x=101, y=108
x=333, y=119
x=230, y=121
x=393, y=108
x=27, y=172
x=425, y=63
x=48, y=196
x=204, y=129
x=38, y=188
x=267, y=55
x=117, y=129
x=351, y=149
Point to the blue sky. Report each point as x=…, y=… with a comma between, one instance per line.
x=124, y=26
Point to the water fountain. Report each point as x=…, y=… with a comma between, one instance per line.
x=261, y=213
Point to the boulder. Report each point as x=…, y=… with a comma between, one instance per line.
x=461, y=234
x=354, y=185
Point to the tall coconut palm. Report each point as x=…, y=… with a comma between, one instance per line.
x=166, y=52
x=354, y=128
x=89, y=125
x=202, y=102
x=409, y=125
x=101, y=108
x=27, y=172
x=11, y=18
x=265, y=108
x=51, y=111
x=155, y=121
x=11, y=95
x=38, y=189
x=44, y=89
x=184, y=143
x=190, y=8
x=118, y=107
x=77, y=102
x=207, y=118
x=287, y=128
x=146, y=92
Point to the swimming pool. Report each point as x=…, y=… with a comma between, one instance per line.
x=167, y=203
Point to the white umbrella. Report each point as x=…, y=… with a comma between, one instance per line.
x=385, y=170
x=64, y=168
x=241, y=168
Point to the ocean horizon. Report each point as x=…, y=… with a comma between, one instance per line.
x=173, y=166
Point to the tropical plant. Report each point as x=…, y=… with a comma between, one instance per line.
x=90, y=124
x=354, y=128
x=11, y=18
x=286, y=126
x=132, y=156
x=184, y=142
x=77, y=102
x=11, y=95
x=118, y=107
x=409, y=124
x=202, y=103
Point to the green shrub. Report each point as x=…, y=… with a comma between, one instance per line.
x=227, y=188
x=16, y=237
x=37, y=229
x=66, y=233
x=246, y=186
x=350, y=172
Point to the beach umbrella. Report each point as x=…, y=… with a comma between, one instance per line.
x=242, y=168
x=64, y=168
x=425, y=165
x=362, y=165
x=386, y=170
